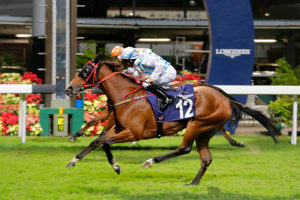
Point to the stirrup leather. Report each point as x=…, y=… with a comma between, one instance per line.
x=165, y=103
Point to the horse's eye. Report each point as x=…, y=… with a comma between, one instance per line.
x=86, y=71
x=89, y=69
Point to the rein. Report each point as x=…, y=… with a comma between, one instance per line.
x=131, y=99
x=129, y=93
x=85, y=84
x=94, y=76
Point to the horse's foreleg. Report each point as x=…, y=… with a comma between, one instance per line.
x=81, y=131
x=184, y=148
x=108, y=138
x=100, y=118
x=230, y=139
x=110, y=158
x=124, y=136
x=93, y=145
x=205, y=156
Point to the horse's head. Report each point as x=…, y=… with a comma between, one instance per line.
x=78, y=84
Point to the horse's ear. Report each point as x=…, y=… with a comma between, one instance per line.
x=97, y=58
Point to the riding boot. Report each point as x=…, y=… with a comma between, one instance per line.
x=160, y=93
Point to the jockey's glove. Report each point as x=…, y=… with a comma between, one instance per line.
x=146, y=84
x=130, y=70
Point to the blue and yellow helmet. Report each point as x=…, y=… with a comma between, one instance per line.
x=129, y=53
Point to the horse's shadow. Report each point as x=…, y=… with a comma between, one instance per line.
x=212, y=193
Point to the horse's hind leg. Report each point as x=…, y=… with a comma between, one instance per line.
x=205, y=156
x=230, y=140
x=184, y=148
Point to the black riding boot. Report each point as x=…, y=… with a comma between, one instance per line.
x=160, y=93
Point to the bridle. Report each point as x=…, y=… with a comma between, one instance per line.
x=93, y=80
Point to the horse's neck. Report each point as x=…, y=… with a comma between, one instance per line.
x=116, y=87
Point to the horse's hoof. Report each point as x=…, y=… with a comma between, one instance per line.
x=241, y=144
x=72, y=139
x=147, y=164
x=117, y=168
x=70, y=164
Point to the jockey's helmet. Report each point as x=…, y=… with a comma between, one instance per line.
x=116, y=51
x=129, y=53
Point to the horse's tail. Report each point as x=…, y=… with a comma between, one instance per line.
x=238, y=109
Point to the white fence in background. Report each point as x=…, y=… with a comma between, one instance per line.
x=230, y=89
x=24, y=89
x=269, y=90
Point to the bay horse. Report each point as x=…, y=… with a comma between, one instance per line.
x=108, y=114
x=135, y=119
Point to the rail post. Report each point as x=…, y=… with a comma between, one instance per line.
x=22, y=118
x=295, y=119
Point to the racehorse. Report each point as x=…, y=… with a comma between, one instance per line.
x=107, y=113
x=135, y=119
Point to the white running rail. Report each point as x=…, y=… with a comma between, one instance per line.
x=24, y=89
x=270, y=90
x=230, y=89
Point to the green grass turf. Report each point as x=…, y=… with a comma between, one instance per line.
x=37, y=170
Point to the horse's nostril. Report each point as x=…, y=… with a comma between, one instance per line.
x=69, y=90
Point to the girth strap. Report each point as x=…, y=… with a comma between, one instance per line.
x=159, y=124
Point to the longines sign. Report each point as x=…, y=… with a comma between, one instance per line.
x=232, y=44
x=232, y=53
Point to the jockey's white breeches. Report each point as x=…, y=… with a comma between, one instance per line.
x=166, y=77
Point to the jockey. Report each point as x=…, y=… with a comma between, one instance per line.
x=117, y=50
x=160, y=72
x=142, y=51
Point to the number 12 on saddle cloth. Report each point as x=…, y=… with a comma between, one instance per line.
x=182, y=107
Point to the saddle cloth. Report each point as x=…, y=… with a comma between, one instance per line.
x=182, y=107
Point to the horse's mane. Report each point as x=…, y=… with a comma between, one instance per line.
x=114, y=66
x=117, y=67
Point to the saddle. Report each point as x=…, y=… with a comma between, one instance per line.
x=182, y=107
